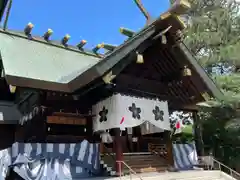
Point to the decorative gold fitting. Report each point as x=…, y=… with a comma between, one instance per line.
x=140, y=59
x=187, y=71
x=12, y=89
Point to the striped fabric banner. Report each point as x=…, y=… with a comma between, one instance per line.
x=55, y=161
x=5, y=162
x=185, y=156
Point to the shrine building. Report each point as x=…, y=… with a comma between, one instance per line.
x=67, y=112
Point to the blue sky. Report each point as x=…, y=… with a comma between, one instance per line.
x=93, y=20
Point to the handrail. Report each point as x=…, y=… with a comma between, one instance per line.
x=228, y=168
x=130, y=170
x=232, y=173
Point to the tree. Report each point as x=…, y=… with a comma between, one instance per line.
x=213, y=36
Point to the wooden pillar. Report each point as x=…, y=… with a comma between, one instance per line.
x=118, y=150
x=19, y=133
x=198, y=135
x=169, y=149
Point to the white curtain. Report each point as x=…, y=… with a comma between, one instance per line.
x=148, y=128
x=121, y=111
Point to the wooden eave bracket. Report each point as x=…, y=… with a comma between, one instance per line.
x=180, y=7
x=108, y=77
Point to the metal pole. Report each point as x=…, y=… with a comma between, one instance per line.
x=120, y=170
x=7, y=15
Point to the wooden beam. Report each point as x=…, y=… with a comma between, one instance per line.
x=66, y=120
x=149, y=87
x=112, y=59
x=71, y=115
x=192, y=107
x=67, y=106
x=127, y=80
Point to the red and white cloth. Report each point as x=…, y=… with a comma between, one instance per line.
x=178, y=118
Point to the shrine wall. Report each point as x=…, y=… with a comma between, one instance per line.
x=6, y=135
x=8, y=113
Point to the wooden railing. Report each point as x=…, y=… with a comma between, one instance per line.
x=159, y=149
x=131, y=171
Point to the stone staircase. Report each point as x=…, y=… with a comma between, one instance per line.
x=182, y=175
x=138, y=162
x=144, y=162
x=154, y=167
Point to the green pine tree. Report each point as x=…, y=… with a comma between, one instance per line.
x=213, y=35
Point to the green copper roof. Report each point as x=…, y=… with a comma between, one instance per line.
x=35, y=60
x=36, y=63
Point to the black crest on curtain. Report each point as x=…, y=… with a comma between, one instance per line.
x=158, y=114
x=103, y=114
x=135, y=111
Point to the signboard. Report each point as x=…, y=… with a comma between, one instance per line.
x=66, y=120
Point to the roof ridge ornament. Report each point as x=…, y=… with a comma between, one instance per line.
x=109, y=47
x=81, y=44
x=97, y=48
x=65, y=39
x=144, y=11
x=28, y=29
x=47, y=34
x=127, y=32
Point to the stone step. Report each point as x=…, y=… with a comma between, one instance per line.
x=146, y=164
x=138, y=156
x=139, y=162
x=145, y=160
x=149, y=169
